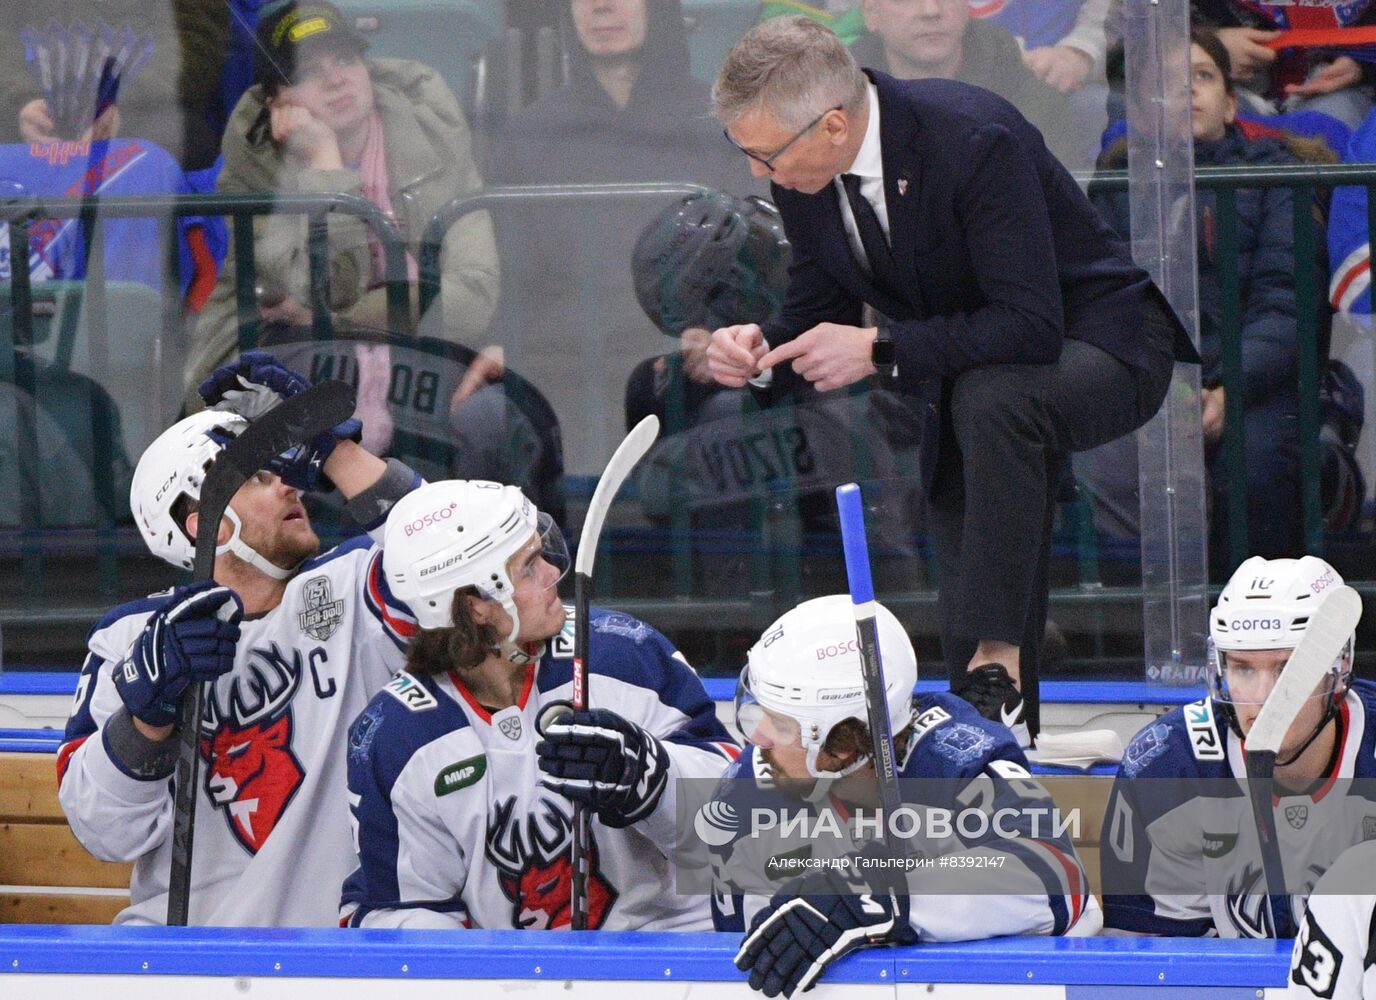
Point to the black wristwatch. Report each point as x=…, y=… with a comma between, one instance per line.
x=884, y=353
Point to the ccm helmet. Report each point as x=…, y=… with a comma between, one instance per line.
x=175, y=466
x=709, y=260
x=806, y=667
x=460, y=533
x=1267, y=605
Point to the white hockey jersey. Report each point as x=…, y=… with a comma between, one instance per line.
x=1179, y=850
x=1030, y=881
x=272, y=840
x=1335, y=952
x=454, y=829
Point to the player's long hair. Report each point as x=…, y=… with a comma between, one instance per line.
x=850, y=738
x=461, y=647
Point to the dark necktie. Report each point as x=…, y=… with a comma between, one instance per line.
x=871, y=233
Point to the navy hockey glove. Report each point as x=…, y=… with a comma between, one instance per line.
x=191, y=639
x=800, y=933
x=596, y=757
x=256, y=383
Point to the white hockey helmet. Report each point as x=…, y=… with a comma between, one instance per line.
x=460, y=533
x=806, y=667
x=1266, y=605
x=175, y=466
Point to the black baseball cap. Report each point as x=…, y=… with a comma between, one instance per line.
x=287, y=31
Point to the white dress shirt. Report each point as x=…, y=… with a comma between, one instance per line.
x=869, y=167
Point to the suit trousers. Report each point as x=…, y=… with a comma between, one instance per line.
x=1007, y=432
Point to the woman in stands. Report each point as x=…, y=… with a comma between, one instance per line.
x=323, y=118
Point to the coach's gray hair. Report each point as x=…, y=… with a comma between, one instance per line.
x=792, y=67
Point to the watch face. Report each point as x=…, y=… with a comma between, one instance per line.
x=884, y=353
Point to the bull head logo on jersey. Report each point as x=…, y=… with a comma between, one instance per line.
x=246, y=735
x=532, y=853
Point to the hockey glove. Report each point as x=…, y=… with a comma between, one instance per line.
x=613, y=766
x=190, y=640
x=255, y=384
x=800, y=933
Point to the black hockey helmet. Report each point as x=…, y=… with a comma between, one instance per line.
x=711, y=259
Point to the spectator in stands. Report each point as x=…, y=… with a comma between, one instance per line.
x=324, y=118
x=171, y=101
x=630, y=111
x=1063, y=41
x=1178, y=850
x=941, y=38
x=1266, y=283
x=1315, y=79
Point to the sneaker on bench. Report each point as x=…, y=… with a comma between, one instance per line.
x=992, y=691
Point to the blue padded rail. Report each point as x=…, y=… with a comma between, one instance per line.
x=524, y=955
x=1052, y=692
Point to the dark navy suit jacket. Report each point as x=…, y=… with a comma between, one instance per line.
x=1001, y=255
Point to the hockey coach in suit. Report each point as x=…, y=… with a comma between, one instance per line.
x=1000, y=296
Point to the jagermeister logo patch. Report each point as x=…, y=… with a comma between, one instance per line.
x=460, y=775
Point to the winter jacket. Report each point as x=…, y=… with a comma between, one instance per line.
x=1266, y=258
x=428, y=156
x=173, y=101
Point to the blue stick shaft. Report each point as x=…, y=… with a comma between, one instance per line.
x=856, y=548
x=853, y=541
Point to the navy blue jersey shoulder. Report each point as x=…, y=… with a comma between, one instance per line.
x=141, y=606
x=626, y=648
x=342, y=549
x=1365, y=765
x=404, y=716
x=952, y=740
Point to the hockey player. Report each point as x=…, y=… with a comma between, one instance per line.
x=1335, y=951
x=295, y=644
x=462, y=773
x=801, y=705
x=1179, y=843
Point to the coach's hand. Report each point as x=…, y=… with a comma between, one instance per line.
x=830, y=356
x=191, y=639
x=596, y=757
x=733, y=356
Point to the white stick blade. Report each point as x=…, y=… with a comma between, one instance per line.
x=628, y=453
x=1328, y=630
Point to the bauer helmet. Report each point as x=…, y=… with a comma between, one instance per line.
x=460, y=533
x=806, y=667
x=175, y=466
x=709, y=260
x=1266, y=605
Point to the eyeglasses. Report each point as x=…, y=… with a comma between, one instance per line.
x=768, y=161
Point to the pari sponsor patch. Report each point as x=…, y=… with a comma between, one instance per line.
x=928, y=721
x=410, y=692
x=1204, y=738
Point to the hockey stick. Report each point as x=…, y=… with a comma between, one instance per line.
x=1324, y=637
x=629, y=452
x=852, y=513
x=294, y=422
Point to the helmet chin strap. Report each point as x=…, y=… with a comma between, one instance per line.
x=1329, y=715
x=240, y=548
